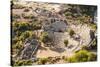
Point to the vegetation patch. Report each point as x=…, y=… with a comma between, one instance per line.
x=23, y=62
x=66, y=42
x=42, y=61
x=82, y=56
x=71, y=32
x=45, y=38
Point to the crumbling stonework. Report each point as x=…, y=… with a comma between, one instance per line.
x=30, y=48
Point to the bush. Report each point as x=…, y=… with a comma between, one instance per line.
x=82, y=56
x=71, y=59
x=66, y=42
x=28, y=34
x=65, y=59
x=26, y=10
x=17, y=6
x=28, y=16
x=23, y=62
x=18, y=45
x=42, y=61
x=71, y=32
x=36, y=25
x=15, y=16
x=15, y=40
x=94, y=44
x=92, y=57
x=93, y=26
x=23, y=26
x=20, y=26
x=85, y=47
x=45, y=37
x=68, y=14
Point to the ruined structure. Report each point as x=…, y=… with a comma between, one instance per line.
x=30, y=47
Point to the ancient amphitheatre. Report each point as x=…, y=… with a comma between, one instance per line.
x=50, y=33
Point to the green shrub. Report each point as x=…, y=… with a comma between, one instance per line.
x=93, y=26
x=71, y=32
x=18, y=6
x=15, y=40
x=45, y=37
x=92, y=57
x=28, y=62
x=94, y=44
x=15, y=16
x=20, y=26
x=28, y=34
x=65, y=59
x=71, y=60
x=42, y=61
x=18, y=63
x=23, y=62
x=19, y=45
x=36, y=25
x=82, y=56
x=28, y=16
x=23, y=26
x=85, y=47
x=66, y=42
x=68, y=14
x=26, y=10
